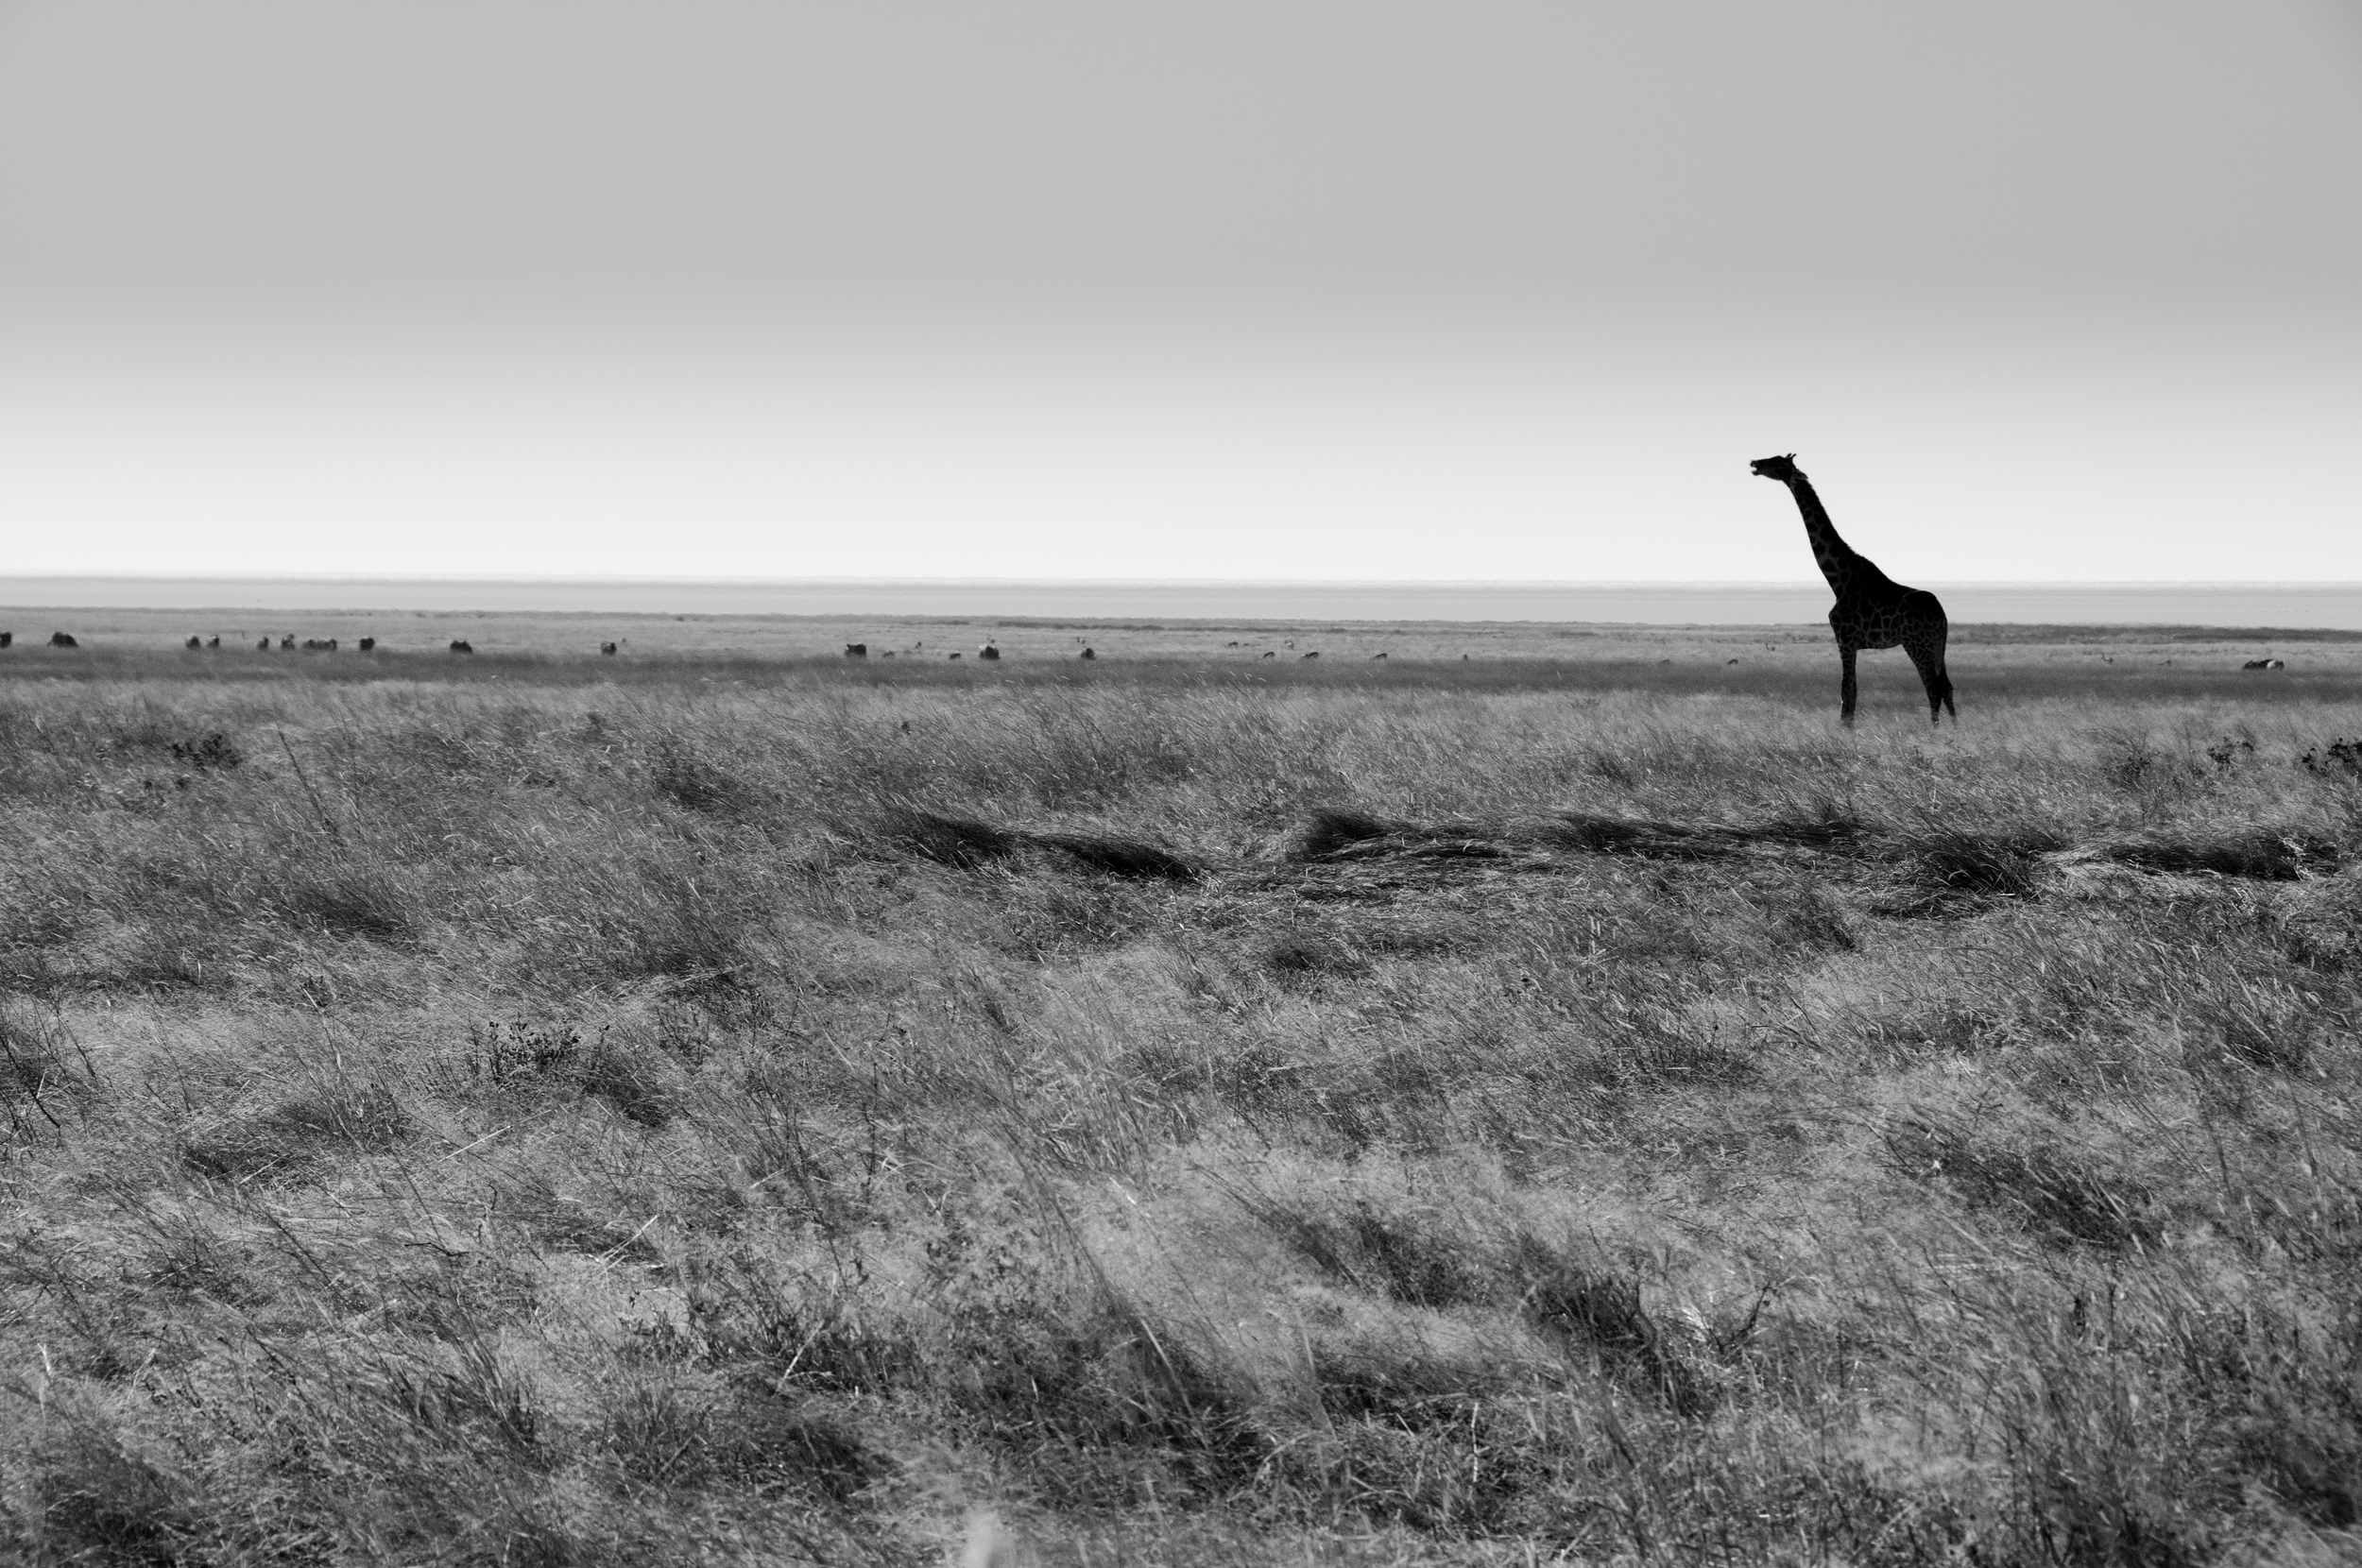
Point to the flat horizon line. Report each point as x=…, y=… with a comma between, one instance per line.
x=2226, y=584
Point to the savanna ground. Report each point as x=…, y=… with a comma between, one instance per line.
x=711, y=1106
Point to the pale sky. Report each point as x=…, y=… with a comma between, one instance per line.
x=2036, y=289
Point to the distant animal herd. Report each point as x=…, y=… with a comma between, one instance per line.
x=988, y=652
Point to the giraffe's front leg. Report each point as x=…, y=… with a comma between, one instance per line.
x=1845, y=657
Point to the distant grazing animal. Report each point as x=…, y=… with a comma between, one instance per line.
x=1378, y=656
x=213, y=642
x=1315, y=653
x=888, y=653
x=1728, y=662
x=2264, y=664
x=606, y=650
x=1088, y=654
x=263, y=646
x=988, y=650
x=857, y=650
x=956, y=656
x=62, y=640
x=368, y=644
x=461, y=645
x=1872, y=611
x=192, y=643
x=1267, y=653
x=6, y=638
x=286, y=642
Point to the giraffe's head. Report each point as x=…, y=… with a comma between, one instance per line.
x=1781, y=468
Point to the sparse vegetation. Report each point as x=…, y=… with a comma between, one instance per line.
x=1384, y=1114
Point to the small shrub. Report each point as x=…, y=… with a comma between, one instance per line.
x=508, y=1051
x=2224, y=754
x=2130, y=762
x=214, y=751
x=2338, y=758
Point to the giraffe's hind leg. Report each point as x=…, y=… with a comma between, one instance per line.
x=1927, y=655
x=1847, y=689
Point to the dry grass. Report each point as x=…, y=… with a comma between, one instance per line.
x=1400, y=1117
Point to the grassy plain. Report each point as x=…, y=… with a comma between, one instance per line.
x=710, y=1105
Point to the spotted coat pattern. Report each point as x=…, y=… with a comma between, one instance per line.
x=1872, y=611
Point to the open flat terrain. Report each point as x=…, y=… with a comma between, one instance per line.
x=726, y=1102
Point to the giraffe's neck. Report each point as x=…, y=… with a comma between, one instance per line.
x=1838, y=563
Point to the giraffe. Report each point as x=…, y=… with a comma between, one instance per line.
x=1872, y=611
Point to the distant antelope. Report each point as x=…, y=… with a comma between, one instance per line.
x=857, y=650
x=606, y=650
x=263, y=646
x=1267, y=653
x=6, y=638
x=62, y=640
x=193, y=644
x=461, y=645
x=287, y=643
x=1378, y=656
x=368, y=644
x=988, y=650
x=1315, y=653
x=213, y=642
x=1088, y=654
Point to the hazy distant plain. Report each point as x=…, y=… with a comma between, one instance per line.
x=2335, y=606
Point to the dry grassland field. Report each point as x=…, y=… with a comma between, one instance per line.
x=726, y=1102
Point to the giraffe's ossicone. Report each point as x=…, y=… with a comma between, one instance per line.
x=1872, y=611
